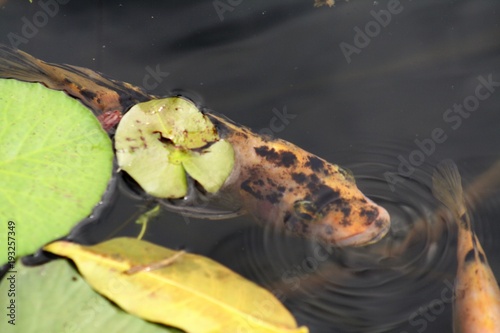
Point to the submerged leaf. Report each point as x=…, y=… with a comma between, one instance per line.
x=55, y=298
x=158, y=141
x=193, y=293
x=55, y=163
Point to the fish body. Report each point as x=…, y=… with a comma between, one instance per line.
x=283, y=184
x=273, y=180
x=476, y=306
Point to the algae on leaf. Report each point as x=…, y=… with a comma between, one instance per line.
x=55, y=298
x=192, y=292
x=55, y=164
x=158, y=141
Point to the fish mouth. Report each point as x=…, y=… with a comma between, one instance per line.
x=375, y=232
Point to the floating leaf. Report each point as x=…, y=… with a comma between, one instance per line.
x=211, y=167
x=158, y=141
x=55, y=163
x=193, y=293
x=55, y=298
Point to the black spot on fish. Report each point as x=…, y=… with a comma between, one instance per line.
x=274, y=197
x=346, y=210
x=314, y=184
x=271, y=182
x=325, y=195
x=88, y=94
x=371, y=214
x=258, y=182
x=315, y=164
x=281, y=158
x=299, y=177
x=314, y=178
x=246, y=186
x=288, y=159
x=264, y=151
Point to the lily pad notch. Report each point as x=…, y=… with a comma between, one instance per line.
x=160, y=141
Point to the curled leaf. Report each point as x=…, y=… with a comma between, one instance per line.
x=191, y=292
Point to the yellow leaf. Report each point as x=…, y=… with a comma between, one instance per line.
x=191, y=292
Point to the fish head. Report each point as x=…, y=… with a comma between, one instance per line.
x=338, y=214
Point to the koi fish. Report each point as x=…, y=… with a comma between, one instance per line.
x=476, y=306
x=273, y=180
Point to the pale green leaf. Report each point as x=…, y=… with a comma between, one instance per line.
x=156, y=140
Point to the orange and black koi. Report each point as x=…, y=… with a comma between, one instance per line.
x=280, y=183
x=274, y=180
x=476, y=306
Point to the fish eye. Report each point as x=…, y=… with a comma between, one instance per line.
x=347, y=173
x=305, y=209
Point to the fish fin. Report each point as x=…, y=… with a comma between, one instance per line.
x=16, y=64
x=447, y=187
x=95, y=90
x=207, y=213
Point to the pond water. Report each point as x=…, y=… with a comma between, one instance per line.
x=377, y=93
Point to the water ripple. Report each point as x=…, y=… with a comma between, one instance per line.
x=367, y=289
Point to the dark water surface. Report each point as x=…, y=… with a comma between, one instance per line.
x=362, y=108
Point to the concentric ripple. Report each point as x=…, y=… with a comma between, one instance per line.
x=403, y=283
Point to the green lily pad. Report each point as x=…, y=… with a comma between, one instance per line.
x=55, y=298
x=55, y=164
x=158, y=141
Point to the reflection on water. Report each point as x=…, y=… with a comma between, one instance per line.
x=266, y=55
